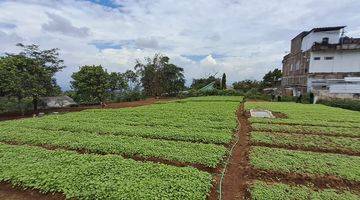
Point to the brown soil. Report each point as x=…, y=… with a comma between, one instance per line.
x=311, y=149
x=9, y=192
x=279, y=115
x=300, y=124
x=318, y=181
x=234, y=185
x=309, y=133
x=10, y=116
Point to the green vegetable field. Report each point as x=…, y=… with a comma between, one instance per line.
x=306, y=152
x=162, y=151
x=198, y=148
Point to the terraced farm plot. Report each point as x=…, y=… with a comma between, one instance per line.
x=307, y=152
x=162, y=151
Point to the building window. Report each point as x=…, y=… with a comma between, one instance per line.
x=329, y=58
x=325, y=40
x=317, y=58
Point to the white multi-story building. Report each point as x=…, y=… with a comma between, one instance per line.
x=325, y=62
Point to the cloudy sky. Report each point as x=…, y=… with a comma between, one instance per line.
x=243, y=38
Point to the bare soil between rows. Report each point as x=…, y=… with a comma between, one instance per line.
x=10, y=192
x=310, y=149
x=318, y=181
x=236, y=178
x=309, y=133
x=308, y=125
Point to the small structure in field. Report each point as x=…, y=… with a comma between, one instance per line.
x=57, y=102
x=261, y=113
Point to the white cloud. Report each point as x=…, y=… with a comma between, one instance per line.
x=64, y=26
x=208, y=61
x=242, y=38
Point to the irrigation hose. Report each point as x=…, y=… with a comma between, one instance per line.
x=228, y=159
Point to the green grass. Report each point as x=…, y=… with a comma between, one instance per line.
x=288, y=161
x=278, y=191
x=99, y=177
x=206, y=154
x=308, y=141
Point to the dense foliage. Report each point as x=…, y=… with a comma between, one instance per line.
x=202, y=82
x=99, y=177
x=91, y=83
x=90, y=164
x=282, y=160
x=30, y=73
x=307, y=141
x=206, y=154
x=160, y=77
x=276, y=191
x=209, y=122
x=342, y=103
x=324, y=138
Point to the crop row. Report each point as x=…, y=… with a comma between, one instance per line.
x=308, y=112
x=308, y=141
x=305, y=122
x=276, y=191
x=207, y=122
x=215, y=98
x=155, y=132
x=355, y=132
x=290, y=161
x=99, y=177
x=206, y=154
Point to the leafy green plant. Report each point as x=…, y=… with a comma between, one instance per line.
x=206, y=154
x=286, y=161
x=307, y=141
x=279, y=191
x=99, y=177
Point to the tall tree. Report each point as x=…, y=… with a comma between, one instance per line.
x=132, y=79
x=246, y=85
x=223, y=81
x=35, y=70
x=91, y=83
x=158, y=76
x=117, y=82
x=202, y=82
x=272, y=78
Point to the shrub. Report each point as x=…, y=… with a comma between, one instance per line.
x=342, y=103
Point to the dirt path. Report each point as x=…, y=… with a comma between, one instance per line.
x=8, y=192
x=234, y=185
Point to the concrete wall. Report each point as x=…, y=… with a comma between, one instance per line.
x=344, y=61
x=308, y=40
x=345, y=88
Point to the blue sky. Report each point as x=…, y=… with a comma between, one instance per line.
x=242, y=38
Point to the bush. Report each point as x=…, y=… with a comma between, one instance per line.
x=342, y=103
x=132, y=95
x=11, y=105
x=215, y=92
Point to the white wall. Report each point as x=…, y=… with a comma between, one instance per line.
x=312, y=37
x=344, y=61
x=345, y=88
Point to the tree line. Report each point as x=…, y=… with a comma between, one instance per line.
x=30, y=74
